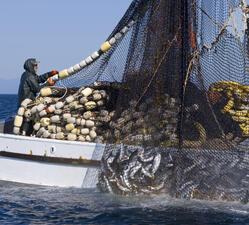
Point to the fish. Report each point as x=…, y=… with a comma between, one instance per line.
x=108, y=184
x=143, y=158
x=121, y=187
x=186, y=188
x=158, y=187
x=134, y=170
x=147, y=173
x=156, y=163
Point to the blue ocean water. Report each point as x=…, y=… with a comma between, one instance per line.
x=8, y=105
x=30, y=204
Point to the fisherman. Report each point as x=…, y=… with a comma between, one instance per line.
x=29, y=83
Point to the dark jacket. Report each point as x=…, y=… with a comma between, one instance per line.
x=29, y=83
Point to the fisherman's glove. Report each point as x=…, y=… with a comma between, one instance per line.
x=50, y=81
x=53, y=79
x=53, y=72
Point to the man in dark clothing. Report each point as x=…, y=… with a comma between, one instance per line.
x=29, y=83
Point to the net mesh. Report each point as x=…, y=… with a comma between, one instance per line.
x=184, y=95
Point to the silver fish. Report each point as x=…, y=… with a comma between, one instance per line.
x=121, y=187
x=110, y=159
x=186, y=188
x=123, y=154
x=108, y=184
x=158, y=187
x=135, y=169
x=147, y=173
x=189, y=168
x=146, y=191
x=125, y=178
x=156, y=163
x=143, y=158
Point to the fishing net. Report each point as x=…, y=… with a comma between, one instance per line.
x=181, y=118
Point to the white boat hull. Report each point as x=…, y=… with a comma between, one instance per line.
x=49, y=162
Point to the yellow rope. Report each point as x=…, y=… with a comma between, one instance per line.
x=237, y=105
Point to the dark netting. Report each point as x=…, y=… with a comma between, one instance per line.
x=181, y=110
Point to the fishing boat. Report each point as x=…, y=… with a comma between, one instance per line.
x=181, y=114
x=48, y=162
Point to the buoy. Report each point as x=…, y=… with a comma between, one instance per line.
x=55, y=119
x=83, y=122
x=65, y=116
x=47, y=100
x=58, y=111
x=85, y=131
x=34, y=109
x=42, y=130
x=76, y=67
x=112, y=41
x=16, y=130
x=103, y=113
x=118, y=36
x=89, y=123
x=59, y=105
x=100, y=103
x=46, y=134
x=125, y=30
x=59, y=136
x=59, y=129
x=63, y=74
x=97, y=96
x=46, y=91
x=21, y=111
x=69, y=127
x=83, y=100
x=69, y=99
x=103, y=93
x=81, y=138
x=50, y=109
x=93, y=134
x=86, y=92
x=90, y=105
x=82, y=64
x=131, y=23
x=71, y=137
x=70, y=70
x=25, y=102
x=75, y=105
x=89, y=60
x=53, y=136
x=43, y=113
x=45, y=122
x=88, y=138
x=95, y=55
x=40, y=107
x=27, y=114
x=105, y=46
x=76, y=131
x=78, y=120
x=71, y=120
x=18, y=121
x=37, y=126
x=87, y=115
x=52, y=128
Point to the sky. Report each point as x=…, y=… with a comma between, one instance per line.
x=58, y=33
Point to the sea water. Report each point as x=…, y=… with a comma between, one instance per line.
x=32, y=204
